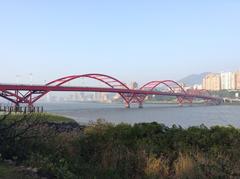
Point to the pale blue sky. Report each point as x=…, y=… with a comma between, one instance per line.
x=137, y=40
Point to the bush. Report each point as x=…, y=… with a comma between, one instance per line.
x=104, y=150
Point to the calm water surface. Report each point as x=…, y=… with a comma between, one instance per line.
x=167, y=114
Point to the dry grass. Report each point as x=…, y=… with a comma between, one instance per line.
x=185, y=166
x=156, y=167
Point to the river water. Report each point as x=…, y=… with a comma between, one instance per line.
x=168, y=114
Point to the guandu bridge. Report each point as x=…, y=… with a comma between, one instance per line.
x=29, y=94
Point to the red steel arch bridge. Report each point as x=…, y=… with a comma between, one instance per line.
x=29, y=94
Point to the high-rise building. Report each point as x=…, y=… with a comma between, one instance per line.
x=228, y=81
x=212, y=82
x=133, y=85
x=237, y=80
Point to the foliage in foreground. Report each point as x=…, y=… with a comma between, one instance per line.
x=146, y=150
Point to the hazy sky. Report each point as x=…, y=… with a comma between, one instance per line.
x=129, y=39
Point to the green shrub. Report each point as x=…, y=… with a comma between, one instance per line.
x=104, y=150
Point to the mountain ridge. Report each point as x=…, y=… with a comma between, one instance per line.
x=193, y=79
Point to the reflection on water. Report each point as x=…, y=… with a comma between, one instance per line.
x=167, y=114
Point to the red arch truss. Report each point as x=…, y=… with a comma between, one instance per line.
x=170, y=85
x=33, y=96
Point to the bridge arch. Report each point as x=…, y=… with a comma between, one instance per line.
x=108, y=80
x=169, y=84
x=105, y=79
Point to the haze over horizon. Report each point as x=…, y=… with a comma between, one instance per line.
x=130, y=40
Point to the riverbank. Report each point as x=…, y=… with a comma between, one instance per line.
x=16, y=128
x=106, y=150
x=44, y=117
x=58, y=122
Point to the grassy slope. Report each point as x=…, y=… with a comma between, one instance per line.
x=43, y=116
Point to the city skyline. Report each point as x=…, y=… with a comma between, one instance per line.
x=138, y=41
x=222, y=81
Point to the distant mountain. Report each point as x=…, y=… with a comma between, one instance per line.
x=193, y=79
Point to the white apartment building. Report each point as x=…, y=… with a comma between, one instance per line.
x=228, y=81
x=197, y=87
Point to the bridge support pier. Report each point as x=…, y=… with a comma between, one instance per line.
x=180, y=104
x=127, y=105
x=140, y=105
